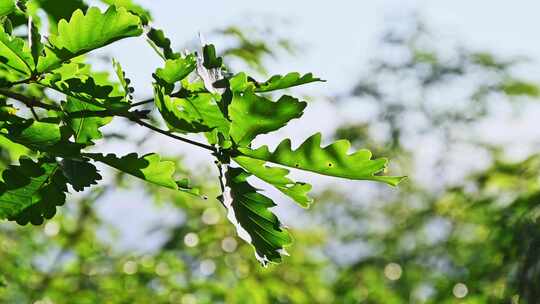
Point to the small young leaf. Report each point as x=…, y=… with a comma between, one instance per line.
x=332, y=160
x=249, y=211
x=210, y=60
x=157, y=39
x=209, y=69
x=277, y=177
x=252, y=115
x=125, y=82
x=148, y=167
x=31, y=191
x=36, y=47
x=84, y=33
x=279, y=82
x=80, y=173
x=177, y=69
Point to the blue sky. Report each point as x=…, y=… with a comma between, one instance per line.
x=338, y=36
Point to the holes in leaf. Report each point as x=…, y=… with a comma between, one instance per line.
x=330, y=165
x=297, y=165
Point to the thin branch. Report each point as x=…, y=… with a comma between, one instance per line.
x=36, y=117
x=26, y=80
x=166, y=133
x=136, y=104
x=133, y=116
x=28, y=101
x=181, y=93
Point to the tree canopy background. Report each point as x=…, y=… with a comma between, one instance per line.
x=463, y=228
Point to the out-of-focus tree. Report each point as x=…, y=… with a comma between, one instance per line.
x=472, y=239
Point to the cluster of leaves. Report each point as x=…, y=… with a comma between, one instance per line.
x=193, y=94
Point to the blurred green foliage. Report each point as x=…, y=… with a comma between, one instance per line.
x=472, y=241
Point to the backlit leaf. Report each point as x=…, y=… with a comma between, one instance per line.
x=41, y=136
x=279, y=82
x=6, y=7
x=177, y=69
x=133, y=8
x=333, y=160
x=86, y=32
x=15, y=54
x=197, y=113
x=36, y=46
x=148, y=167
x=252, y=115
x=124, y=81
x=249, y=211
x=277, y=177
x=79, y=118
x=78, y=81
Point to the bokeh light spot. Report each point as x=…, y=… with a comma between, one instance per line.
x=130, y=267
x=393, y=271
x=228, y=244
x=207, y=267
x=210, y=216
x=460, y=290
x=51, y=229
x=191, y=239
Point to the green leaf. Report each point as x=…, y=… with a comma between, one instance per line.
x=195, y=113
x=36, y=47
x=85, y=126
x=15, y=54
x=132, y=8
x=31, y=191
x=84, y=33
x=124, y=81
x=249, y=211
x=332, y=160
x=78, y=81
x=277, y=177
x=80, y=173
x=279, y=82
x=148, y=167
x=177, y=69
x=210, y=59
x=157, y=39
x=6, y=7
x=252, y=115
x=241, y=82
x=184, y=185
x=41, y=136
